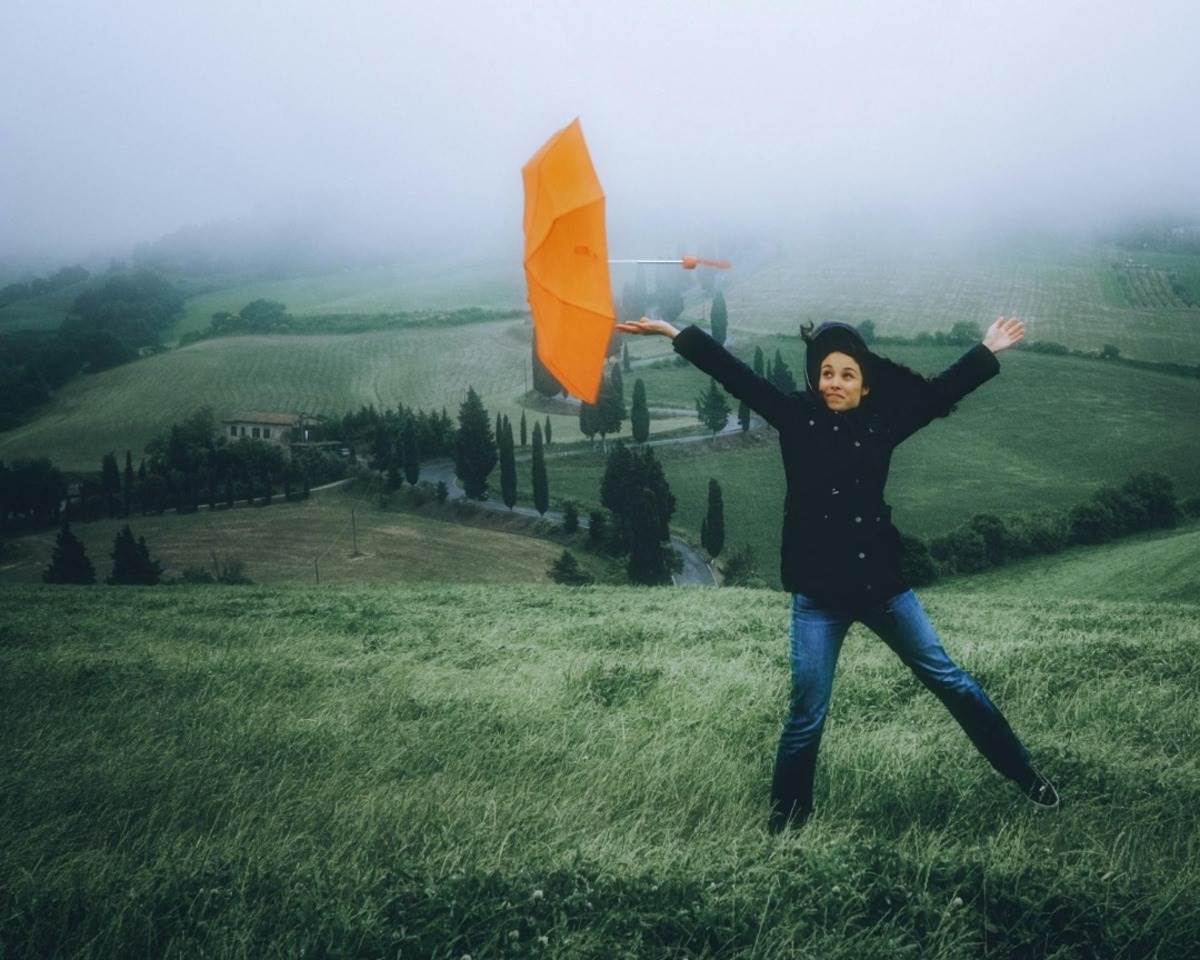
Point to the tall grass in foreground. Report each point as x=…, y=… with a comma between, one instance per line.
x=533, y=771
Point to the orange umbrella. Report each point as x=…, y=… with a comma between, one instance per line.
x=566, y=262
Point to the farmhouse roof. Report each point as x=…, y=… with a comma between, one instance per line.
x=262, y=416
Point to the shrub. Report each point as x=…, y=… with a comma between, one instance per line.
x=1042, y=532
x=1191, y=506
x=1155, y=494
x=961, y=551
x=442, y=491
x=570, y=521
x=738, y=568
x=565, y=570
x=597, y=527
x=1000, y=545
x=916, y=565
x=1091, y=522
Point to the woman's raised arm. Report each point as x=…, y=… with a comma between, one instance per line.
x=693, y=343
x=968, y=372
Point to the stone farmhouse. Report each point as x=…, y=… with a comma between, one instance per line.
x=283, y=429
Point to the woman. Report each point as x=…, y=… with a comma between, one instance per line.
x=840, y=556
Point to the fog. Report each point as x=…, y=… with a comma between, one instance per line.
x=396, y=129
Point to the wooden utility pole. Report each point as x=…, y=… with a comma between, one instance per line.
x=354, y=533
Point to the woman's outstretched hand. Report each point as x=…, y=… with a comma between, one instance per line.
x=648, y=326
x=1003, y=334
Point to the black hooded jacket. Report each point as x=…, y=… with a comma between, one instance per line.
x=839, y=545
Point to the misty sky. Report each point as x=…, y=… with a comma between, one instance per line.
x=407, y=123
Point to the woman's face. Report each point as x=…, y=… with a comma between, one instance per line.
x=841, y=383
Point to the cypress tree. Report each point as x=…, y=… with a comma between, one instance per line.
x=68, y=560
x=541, y=483
x=614, y=484
x=758, y=361
x=306, y=482
x=610, y=409
x=142, y=487
x=412, y=454
x=570, y=521
x=524, y=438
x=712, y=409
x=781, y=375
x=648, y=557
x=110, y=483
x=714, y=520
x=719, y=318
x=394, y=477
x=639, y=416
x=625, y=361
x=474, y=448
x=267, y=479
x=744, y=415
x=508, y=466
x=499, y=432
x=151, y=570
x=128, y=491
x=131, y=561
x=547, y=435
x=229, y=487
x=589, y=419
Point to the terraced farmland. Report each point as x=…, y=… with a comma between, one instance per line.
x=1064, y=293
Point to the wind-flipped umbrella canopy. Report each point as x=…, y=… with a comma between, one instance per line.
x=566, y=262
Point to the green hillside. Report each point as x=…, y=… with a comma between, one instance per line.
x=412, y=285
x=279, y=544
x=514, y=771
x=1163, y=565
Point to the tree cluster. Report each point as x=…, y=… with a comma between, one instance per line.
x=131, y=561
x=634, y=488
x=27, y=289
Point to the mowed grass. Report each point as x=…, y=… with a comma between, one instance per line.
x=1157, y=565
x=123, y=408
x=295, y=542
x=512, y=771
x=410, y=285
x=1063, y=291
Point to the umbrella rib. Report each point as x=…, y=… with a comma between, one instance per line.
x=546, y=236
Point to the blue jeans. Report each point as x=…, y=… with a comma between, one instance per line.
x=816, y=636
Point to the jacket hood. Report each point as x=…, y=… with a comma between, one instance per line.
x=885, y=378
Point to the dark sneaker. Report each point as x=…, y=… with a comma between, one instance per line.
x=1040, y=791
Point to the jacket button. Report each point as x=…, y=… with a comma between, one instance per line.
x=810, y=423
x=876, y=519
x=826, y=516
x=868, y=586
x=857, y=444
x=858, y=519
x=861, y=555
x=835, y=428
x=833, y=491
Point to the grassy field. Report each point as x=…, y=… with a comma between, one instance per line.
x=1066, y=292
x=508, y=771
x=412, y=285
x=280, y=542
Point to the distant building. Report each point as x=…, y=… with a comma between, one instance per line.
x=282, y=429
